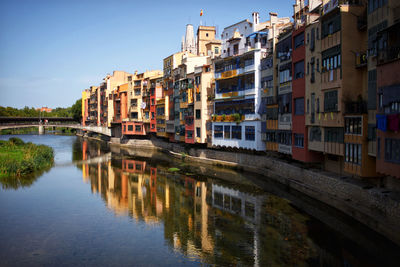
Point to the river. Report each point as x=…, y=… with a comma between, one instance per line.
x=102, y=206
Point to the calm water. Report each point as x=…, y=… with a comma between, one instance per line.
x=97, y=207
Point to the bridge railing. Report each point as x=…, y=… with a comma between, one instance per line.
x=38, y=123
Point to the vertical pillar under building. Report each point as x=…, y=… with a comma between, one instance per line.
x=41, y=129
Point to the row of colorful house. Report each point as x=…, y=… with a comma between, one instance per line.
x=320, y=87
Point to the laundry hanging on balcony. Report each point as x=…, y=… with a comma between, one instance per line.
x=393, y=122
x=381, y=122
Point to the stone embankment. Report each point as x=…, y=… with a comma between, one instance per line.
x=376, y=207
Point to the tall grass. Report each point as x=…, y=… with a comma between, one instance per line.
x=18, y=158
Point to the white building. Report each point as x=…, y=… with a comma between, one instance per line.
x=236, y=121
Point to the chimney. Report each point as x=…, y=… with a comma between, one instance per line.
x=273, y=18
x=256, y=20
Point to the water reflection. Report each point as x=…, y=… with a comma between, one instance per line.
x=206, y=219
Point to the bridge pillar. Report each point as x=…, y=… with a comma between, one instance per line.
x=41, y=129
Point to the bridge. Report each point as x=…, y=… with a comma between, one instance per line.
x=43, y=122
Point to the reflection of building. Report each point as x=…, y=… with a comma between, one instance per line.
x=244, y=205
x=233, y=201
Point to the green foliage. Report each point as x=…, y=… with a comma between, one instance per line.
x=236, y=117
x=16, y=141
x=18, y=158
x=76, y=110
x=173, y=170
x=73, y=111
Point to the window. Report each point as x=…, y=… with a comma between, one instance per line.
x=334, y=135
x=299, y=140
x=267, y=82
x=353, y=125
x=160, y=111
x=189, y=134
x=138, y=128
x=372, y=88
x=285, y=76
x=266, y=63
x=146, y=115
x=312, y=44
x=237, y=132
x=285, y=103
x=236, y=49
x=206, y=34
x=137, y=91
x=198, y=132
x=299, y=106
x=299, y=40
x=270, y=137
x=227, y=132
x=330, y=26
x=330, y=63
x=198, y=114
x=392, y=150
x=218, y=131
x=134, y=115
x=152, y=101
x=353, y=153
x=249, y=133
x=315, y=134
x=230, y=107
x=331, y=101
x=299, y=70
x=124, y=128
x=130, y=128
x=285, y=138
x=133, y=102
x=152, y=116
x=216, y=50
x=198, y=97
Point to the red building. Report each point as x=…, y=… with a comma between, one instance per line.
x=156, y=93
x=299, y=129
x=189, y=129
x=388, y=106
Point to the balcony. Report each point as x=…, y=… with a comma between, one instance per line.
x=170, y=126
x=355, y=107
x=285, y=149
x=285, y=88
x=361, y=59
x=272, y=100
x=334, y=148
x=249, y=68
x=389, y=54
x=285, y=121
x=189, y=120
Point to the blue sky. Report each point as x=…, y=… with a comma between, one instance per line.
x=51, y=50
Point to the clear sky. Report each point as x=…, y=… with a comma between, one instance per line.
x=51, y=50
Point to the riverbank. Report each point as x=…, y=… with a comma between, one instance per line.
x=18, y=158
x=369, y=203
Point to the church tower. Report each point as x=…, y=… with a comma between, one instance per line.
x=189, y=42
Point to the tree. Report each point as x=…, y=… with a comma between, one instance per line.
x=76, y=110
